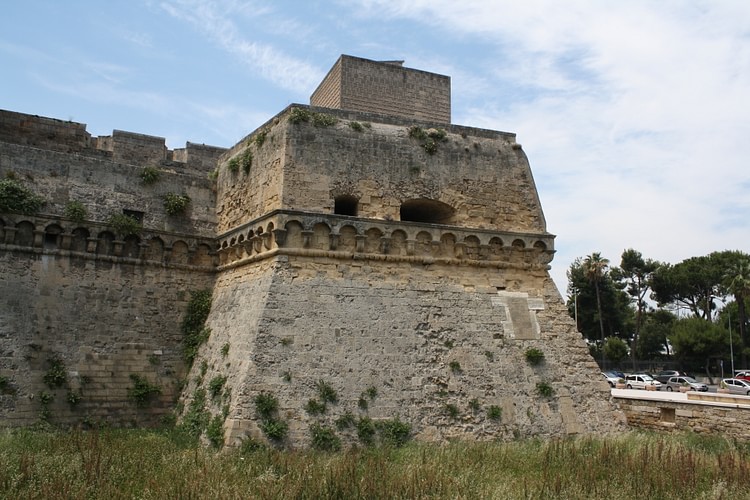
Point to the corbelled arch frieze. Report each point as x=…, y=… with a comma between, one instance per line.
x=346, y=236
x=92, y=240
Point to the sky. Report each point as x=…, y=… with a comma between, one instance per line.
x=635, y=116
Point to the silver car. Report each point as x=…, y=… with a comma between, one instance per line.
x=736, y=386
x=674, y=383
x=640, y=381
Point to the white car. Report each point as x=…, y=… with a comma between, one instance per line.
x=736, y=386
x=640, y=381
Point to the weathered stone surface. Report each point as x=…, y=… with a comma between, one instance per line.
x=402, y=263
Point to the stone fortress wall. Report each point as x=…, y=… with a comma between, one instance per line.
x=75, y=294
x=395, y=256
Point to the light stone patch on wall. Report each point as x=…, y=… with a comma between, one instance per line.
x=520, y=313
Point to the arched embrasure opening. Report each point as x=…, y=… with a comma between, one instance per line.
x=345, y=205
x=425, y=210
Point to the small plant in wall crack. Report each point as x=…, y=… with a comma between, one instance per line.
x=216, y=385
x=149, y=175
x=474, y=405
x=315, y=407
x=56, y=376
x=215, y=431
x=73, y=398
x=534, y=356
x=299, y=115
x=494, y=412
x=142, y=391
x=428, y=139
x=326, y=392
x=260, y=138
x=324, y=438
x=75, y=211
x=345, y=421
x=455, y=367
x=124, y=225
x=266, y=406
x=176, y=204
x=544, y=389
x=45, y=398
x=274, y=429
x=451, y=410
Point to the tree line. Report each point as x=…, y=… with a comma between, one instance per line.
x=645, y=313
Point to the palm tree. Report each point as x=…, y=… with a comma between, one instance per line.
x=737, y=281
x=595, y=268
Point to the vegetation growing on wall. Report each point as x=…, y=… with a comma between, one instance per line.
x=194, y=331
x=324, y=438
x=359, y=127
x=216, y=385
x=544, y=389
x=260, y=138
x=197, y=417
x=215, y=431
x=75, y=211
x=428, y=139
x=17, y=198
x=176, y=204
x=124, y=225
x=494, y=412
x=246, y=161
x=266, y=407
x=142, y=391
x=533, y=355
x=299, y=115
x=56, y=375
x=150, y=175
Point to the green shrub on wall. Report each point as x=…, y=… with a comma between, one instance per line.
x=216, y=385
x=142, y=391
x=15, y=197
x=544, y=389
x=324, y=438
x=75, y=211
x=534, y=356
x=150, y=175
x=125, y=225
x=176, y=204
x=194, y=331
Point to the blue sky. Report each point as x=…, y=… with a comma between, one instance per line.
x=635, y=115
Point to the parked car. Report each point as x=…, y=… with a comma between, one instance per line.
x=737, y=386
x=674, y=383
x=612, y=378
x=743, y=375
x=640, y=381
x=664, y=375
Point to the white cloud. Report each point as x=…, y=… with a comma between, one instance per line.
x=213, y=18
x=634, y=115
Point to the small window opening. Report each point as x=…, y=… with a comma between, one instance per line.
x=345, y=205
x=668, y=415
x=426, y=210
x=50, y=240
x=135, y=214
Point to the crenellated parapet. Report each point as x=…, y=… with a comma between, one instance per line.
x=98, y=241
x=344, y=237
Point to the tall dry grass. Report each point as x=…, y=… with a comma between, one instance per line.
x=116, y=464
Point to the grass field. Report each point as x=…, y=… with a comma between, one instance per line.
x=114, y=464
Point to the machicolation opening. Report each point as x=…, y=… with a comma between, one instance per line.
x=426, y=210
